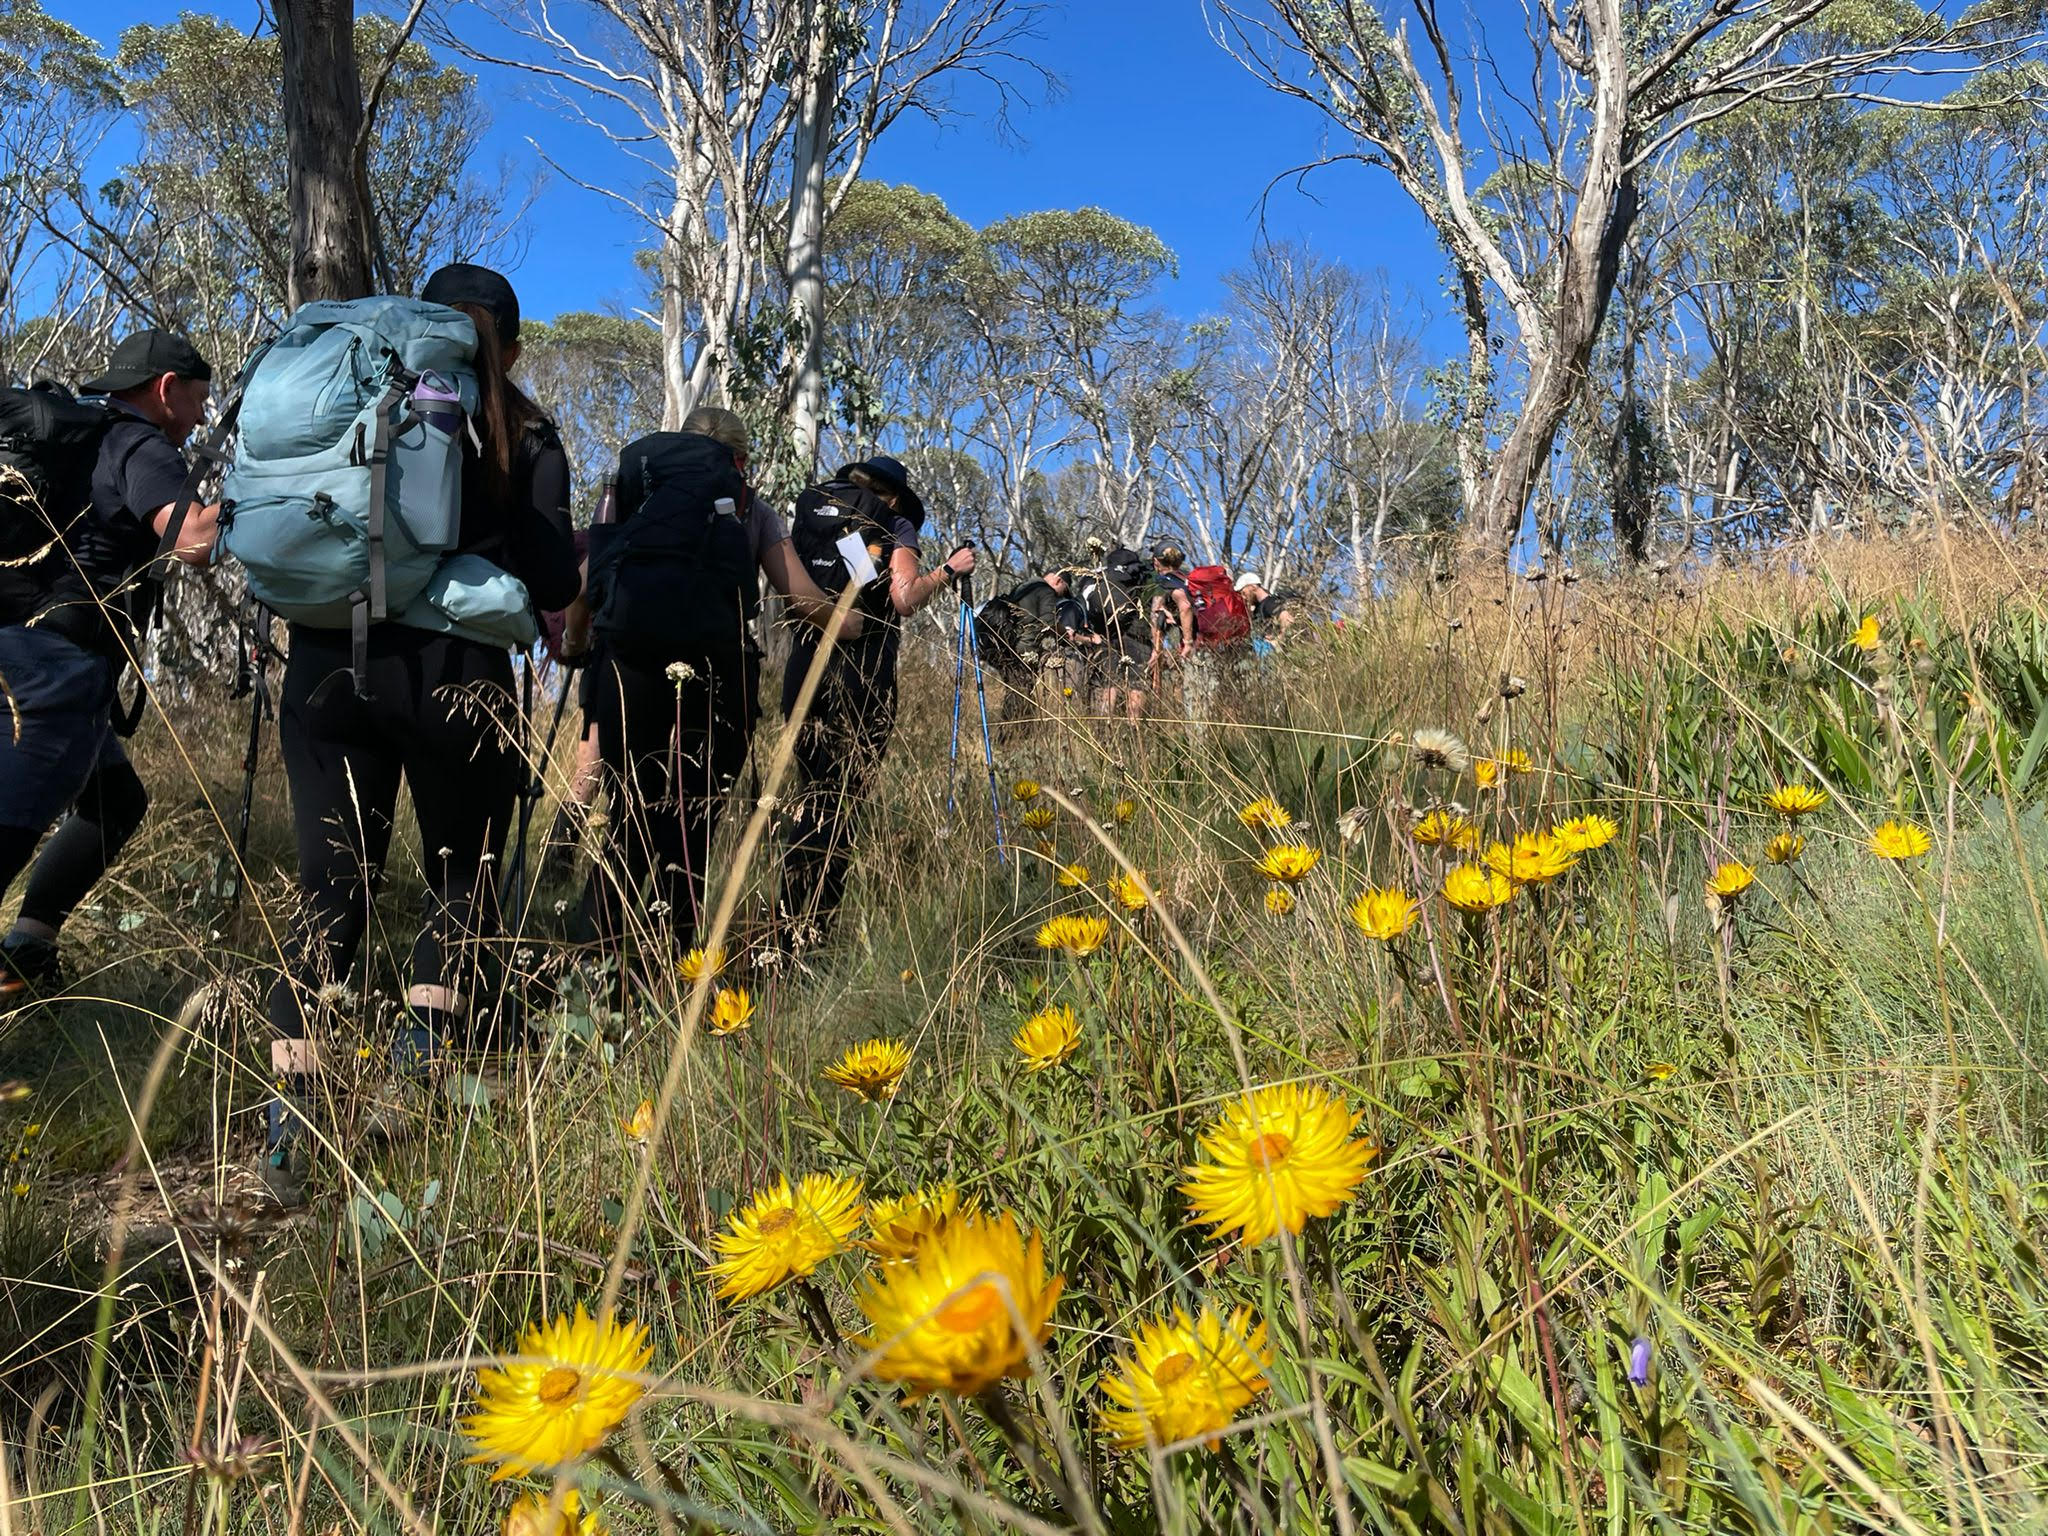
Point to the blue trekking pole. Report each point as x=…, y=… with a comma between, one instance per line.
x=959, y=686
x=972, y=641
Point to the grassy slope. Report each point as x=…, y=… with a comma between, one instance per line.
x=1823, y=1218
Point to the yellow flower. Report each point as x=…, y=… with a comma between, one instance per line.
x=1129, y=892
x=731, y=1011
x=1534, y=858
x=1039, y=817
x=1445, y=829
x=698, y=961
x=1072, y=876
x=572, y=1385
x=1266, y=814
x=1785, y=847
x=1279, y=900
x=1025, y=789
x=1286, y=863
x=33, y=1128
x=1186, y=1379
x=21, y=1190
x=642, y=1123
x=1795, y=800
x=532, y=1515
x=1277, y=1156
x=1047, y=1038
x=1385, y=914
x=1485, y=772
x=1730, y=879
x=964, y=1312
x=1515, y=760
x=1659, y=1071
x=1583, y=833
x=784, y=1233
x=1123, y=811
x=1899, y=840
x=1865, y=638
x=1474, y=888
x=905, y=1224
x=1080, y=937
x=873, y=1069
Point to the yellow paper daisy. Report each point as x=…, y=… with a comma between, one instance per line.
x=1866, y=637
x=1025, y=789
x=1123, y=811
x=1279, y=900
x=532, y=1515
x=1899, y=840
x=1129, y=893
x=1078, y=937
x=1730, y=879
x=1040, y=817
x=1185, y=1379
x=1485, y=772
x=641, y=1123
x=1795, y=800
x=1072, y=876
x=1659, y=1071
x=1277, y=1157
x=698, y=961
x=1515, y=760
x=784, y=1233
x=1534, y=858
x=1474, y=888
x=1385, y=914
x=1047, y=1038
x=1582, y=834
x=1785, y=848
x=572, y=1384
x=731, y=1011
x=963, y=1312
x=873, y=1069
x=903, y=1225
x=1286, y=863
x=1445, y=829
x=1266, y=814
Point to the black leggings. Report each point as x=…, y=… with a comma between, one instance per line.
x=111, y=805
x=838, y=753
x=671, y=751
x=440, y=714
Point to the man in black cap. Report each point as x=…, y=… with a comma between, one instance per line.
x=68, y=627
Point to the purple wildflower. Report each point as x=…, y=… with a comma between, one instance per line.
x=1639, y=1362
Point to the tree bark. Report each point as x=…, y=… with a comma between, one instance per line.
x=805, y=263
x=323, y=117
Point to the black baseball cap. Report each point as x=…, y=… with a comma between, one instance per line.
x=147, y=355
x=461, y=282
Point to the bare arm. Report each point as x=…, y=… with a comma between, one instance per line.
x=195, y=539
x=910, y=591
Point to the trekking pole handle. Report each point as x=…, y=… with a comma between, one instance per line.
x=964, y=579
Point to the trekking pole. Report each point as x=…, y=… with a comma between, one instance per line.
x=252, y=680
x=988, y=750
x=959, y=687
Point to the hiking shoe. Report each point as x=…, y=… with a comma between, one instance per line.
x=285, y=1148
x=27, y=965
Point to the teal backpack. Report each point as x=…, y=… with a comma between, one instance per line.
x=344, y=501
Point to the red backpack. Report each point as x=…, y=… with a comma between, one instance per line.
x=1221, y=617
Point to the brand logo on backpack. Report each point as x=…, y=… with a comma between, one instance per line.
x=840, y=531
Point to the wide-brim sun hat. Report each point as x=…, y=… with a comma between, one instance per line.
x=890, y=472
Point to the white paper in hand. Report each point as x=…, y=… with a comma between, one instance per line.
x=859, y=563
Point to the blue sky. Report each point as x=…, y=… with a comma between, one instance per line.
x=1155, y=123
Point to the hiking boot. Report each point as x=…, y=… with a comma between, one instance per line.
x=286, y=1145
x=27, y=965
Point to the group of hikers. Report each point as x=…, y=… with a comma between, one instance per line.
x=403, y=508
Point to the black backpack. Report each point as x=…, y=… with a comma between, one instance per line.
x=49, y=443
x=824, y=514
x=1113, y=596
x=674, y=578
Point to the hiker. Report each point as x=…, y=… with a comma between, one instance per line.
x=71, y=620
x=424, y=697
x=1173, y=617
x=861, y=526
x=1119, y=666
x=675, y=715
x=1272, y=613
x=1023, y=632
x=1215, y=643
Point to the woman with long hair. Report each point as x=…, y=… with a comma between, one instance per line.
x=434, y=708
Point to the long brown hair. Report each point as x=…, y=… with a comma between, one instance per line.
x=503, y=410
